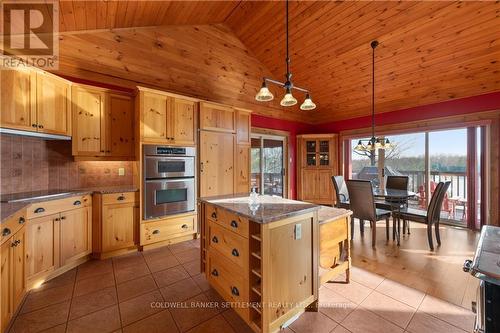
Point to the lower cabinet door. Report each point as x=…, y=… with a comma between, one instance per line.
x=309, y=184
x=5, y=285
x=18, y=269
x=118, y=226
x=42, y=245
x=325, y=186
x=76, y=234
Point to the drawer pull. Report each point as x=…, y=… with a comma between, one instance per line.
x=39, y=210
x=120, y=198
x=6, y=232
x=63, y=217
x=234, y=224
x=185, y=226
x=57, y=219
x=21, y=220
x=215, y=240
x=77, y=203
x=215, y=273
x=235, y=253
x=235, y=291
x=214, y=215
x=156, y=232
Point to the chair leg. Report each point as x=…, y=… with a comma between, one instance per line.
x=387, y=228
x=352, y=227
x=374, y=233
x=436, y=229
x=362, y=227
x=429, y=236
x=408, y=226
x=393, y=229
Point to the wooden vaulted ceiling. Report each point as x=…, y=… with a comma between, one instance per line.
x=429, y=51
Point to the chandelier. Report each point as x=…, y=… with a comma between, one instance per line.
x=264, y=95
x=375, y=142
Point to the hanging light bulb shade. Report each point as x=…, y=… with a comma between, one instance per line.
x=308, y=104
x=264, y=94
x=288, y=99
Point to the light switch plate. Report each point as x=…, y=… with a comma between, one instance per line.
x=298, y=231
x=121, y=171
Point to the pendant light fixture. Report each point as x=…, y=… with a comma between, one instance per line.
x=375, y=142
x=264, y=95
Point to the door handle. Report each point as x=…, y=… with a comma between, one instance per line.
x=201, y=166
x=215, y=273
x=235, y=291
x=215, y=240
x=235, y=253
x=234, y=224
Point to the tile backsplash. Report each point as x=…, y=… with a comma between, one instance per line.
x=31, y=164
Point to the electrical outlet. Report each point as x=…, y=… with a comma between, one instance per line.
x=121, y=171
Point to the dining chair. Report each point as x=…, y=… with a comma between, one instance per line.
x=363, y=207
x=341, y=193
x=395, y=183
x=429, y=217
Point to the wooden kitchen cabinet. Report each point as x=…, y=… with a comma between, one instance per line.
x=76, y=235
x=167, y=118
x=242, y=169
x=243, y=128
x=17, y=99
x=53, y=104
x=115, y=224
x=18, y=267
x=316, y=164
x=216, y=163
x=217, y=117
x=36, y=101
x=6, y=294
x=103, y=123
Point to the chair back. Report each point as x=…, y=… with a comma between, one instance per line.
x=397, y=182
x=341, y=193
x=432, y=204
x=439, y=201
x=361, y=199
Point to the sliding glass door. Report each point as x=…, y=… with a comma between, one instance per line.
x=268, y=164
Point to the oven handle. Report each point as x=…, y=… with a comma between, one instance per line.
x=170, y=180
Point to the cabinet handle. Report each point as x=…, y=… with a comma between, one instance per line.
x=235, y=253
x=57, y=219
x=234, y=224
x=33, y=125
x=6, y=232
x=40, y=126
x=108, y=151
x=13, y=244
x=102, y=151
x=77, y=203
x=156, y=232
x=39, y=210
x=215, y=273
x=215, y=240
x=120, y=198
x=214, y=215
x=22, y=220
x=63, y=217
x=201, y=166
x=235, y=291
x=184, y=226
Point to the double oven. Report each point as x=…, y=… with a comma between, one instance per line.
x=169, y=180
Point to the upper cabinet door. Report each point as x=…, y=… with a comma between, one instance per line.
x=16, y=99
x=87, y=113
x=243, y=126
x=119, y=126
x=53, y=101
x=182, y=122
x=215, y=117
x=154, y=116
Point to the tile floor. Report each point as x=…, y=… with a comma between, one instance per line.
x=115, y=295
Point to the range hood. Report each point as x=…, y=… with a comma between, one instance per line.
x=34, y=134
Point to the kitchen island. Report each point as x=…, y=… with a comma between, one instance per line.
x=262, y=258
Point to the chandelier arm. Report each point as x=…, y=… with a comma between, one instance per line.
x=281, y=84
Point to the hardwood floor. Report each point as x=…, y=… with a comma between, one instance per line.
x=437, y=273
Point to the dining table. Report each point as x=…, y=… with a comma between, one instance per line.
x=397, y=199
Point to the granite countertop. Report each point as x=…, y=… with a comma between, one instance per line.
x=327, y=214
x=270, y=208
x=12, y=203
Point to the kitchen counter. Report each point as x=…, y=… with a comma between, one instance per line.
x=12, y=203
x=269, y=208
x=328, y=214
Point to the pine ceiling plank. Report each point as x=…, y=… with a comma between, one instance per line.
x=66, y=13
x=102, y=12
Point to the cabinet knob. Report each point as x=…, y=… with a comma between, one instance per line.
x=6, y=232
x=39, y=210
x=215, y=240
x=234, y=224
x=235, y=291
x=214, y=215
x=40, y=126
x=235, y=253
x=63, y=217
x=22, y=220
x=215, y=273
x=57, y=219
x=33, y=125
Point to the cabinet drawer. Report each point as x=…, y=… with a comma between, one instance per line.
x=231, y=245
x=157, y=231
x=114, y=198
x=231, y=285
x=228, y=220
x=55, y=206
x=12, y=225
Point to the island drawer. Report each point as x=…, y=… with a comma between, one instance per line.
x=50, y=207
x=232, y=286
x=12, y=225
x=228, y=220
x=231, y=245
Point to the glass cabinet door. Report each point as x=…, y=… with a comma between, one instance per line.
x=324, y=152
x=311, y=153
